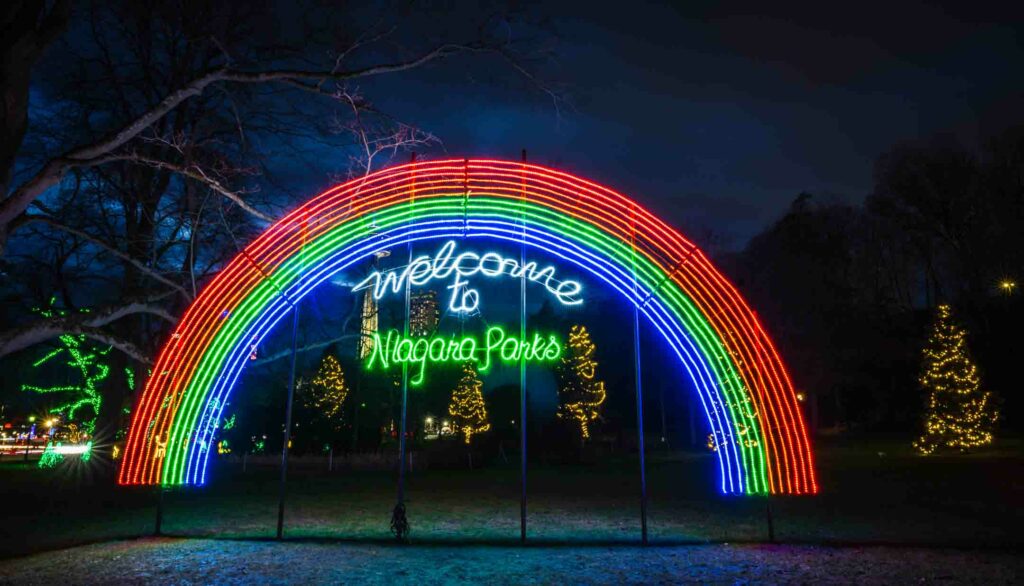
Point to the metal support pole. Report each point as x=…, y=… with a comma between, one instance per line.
x=399, y=521
x=640, y=427
x=661, y=407
x=353, y=446
x=639, y=404
x=28, y=440
x=159, y=510
x=522, y=385
x=287, y=425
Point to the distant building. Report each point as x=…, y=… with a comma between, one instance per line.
x=368, y=323
x=369, y=315
x=423, y=313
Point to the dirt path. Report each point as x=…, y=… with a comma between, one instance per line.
x=170, y=560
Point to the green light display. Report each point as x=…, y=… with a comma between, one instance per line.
x=397, y=349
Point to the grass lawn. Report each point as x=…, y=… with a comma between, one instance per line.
x=883, y=513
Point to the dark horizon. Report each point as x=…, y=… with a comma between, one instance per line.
x=798, y=364
x=719, y=117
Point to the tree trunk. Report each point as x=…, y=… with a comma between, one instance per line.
x=26, y=29
x=114, y=393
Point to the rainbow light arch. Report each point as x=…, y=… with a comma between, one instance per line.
x=747, y=395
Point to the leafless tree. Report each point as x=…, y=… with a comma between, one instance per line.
x=146, y=157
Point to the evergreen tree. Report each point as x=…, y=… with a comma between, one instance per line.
x=327, y=393
x=580, y=393
x=467, y=408
x=959, y=414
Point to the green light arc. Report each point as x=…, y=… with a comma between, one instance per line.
x=290, y=274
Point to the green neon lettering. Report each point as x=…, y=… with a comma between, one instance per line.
x=467, y=349
x=420, y=352
x=508, y=349
x=493, y=339
x=421, y=358
x=379, y=350
x=439, y=355
x=535, y=350
x=453, y=347
x=553, y=349
x=404, y=343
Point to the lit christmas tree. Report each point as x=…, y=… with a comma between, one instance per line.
x=960, y=415
x=580, y=394
x=469, y=414
x=328, y=391
x=51, y=457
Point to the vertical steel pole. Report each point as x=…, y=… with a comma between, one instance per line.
x=356, y=405
x=291, y=397
x=399, y=521
x=28, y=440
x=159, y=510
x=661, y=407
x=640, y=426
x=399, y=512
x=522, y=376
x=639, y=397
x=287, y=424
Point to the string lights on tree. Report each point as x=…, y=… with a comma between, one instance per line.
x=581, y=394
x=54, y=453
x=959, y=414
x=51, y=457
x=467, y=408
x=328, y=391
x=86, y=361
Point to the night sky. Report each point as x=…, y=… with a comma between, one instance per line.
x=718, y=117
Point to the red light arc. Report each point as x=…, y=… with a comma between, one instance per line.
x=743, y=386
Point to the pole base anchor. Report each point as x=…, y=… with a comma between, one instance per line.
x=399, y=523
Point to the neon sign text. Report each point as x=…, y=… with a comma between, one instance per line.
x=396, y=349
x=463, y=299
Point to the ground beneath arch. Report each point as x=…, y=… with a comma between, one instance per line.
x=176, y=560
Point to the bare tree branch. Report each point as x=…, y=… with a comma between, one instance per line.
x=50, y=221
x=120, y=343
x=21, y=337
x=55, y=169
x=197, y=173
